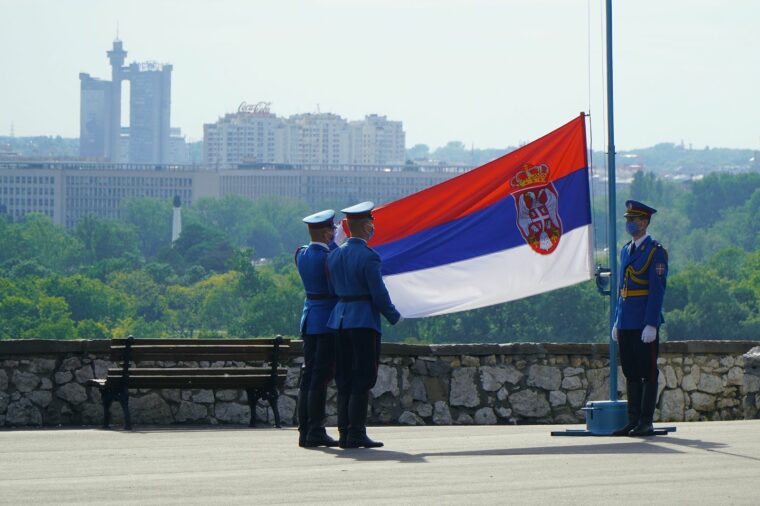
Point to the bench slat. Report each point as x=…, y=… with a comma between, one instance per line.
x=232, y=382
x=188, y=371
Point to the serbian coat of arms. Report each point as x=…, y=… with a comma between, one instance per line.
x=537, y=203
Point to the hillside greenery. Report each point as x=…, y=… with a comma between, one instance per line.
x=231, y=273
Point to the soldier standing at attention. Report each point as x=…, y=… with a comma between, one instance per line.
x=638, y=316
x=355, y=272
x=318, y=340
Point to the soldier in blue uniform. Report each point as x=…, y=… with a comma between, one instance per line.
x=355, y=272
x=318, y=340
x=638, y=316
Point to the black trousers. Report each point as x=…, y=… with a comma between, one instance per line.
x=358, y=355
x=318, y=361
x=639, y=359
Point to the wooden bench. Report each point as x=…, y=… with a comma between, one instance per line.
x=259, y=382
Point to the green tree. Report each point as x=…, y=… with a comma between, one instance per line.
x=89, y=299
x=106, y=239
x=152, y=218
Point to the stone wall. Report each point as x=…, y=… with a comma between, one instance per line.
x=42, y=384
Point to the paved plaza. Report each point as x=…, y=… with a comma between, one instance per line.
x=701, y=463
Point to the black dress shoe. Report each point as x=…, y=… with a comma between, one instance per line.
x=317, y=438
x=642, y=430
x=359, y=439
x=624, y=431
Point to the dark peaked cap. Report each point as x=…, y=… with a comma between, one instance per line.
x=637, y=209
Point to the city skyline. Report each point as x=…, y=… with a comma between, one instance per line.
x=488, y=74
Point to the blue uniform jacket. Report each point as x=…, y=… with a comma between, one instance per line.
x=311, y=262
x=641, y=285
x=354, y=271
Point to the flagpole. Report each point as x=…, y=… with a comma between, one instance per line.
x=612, y=218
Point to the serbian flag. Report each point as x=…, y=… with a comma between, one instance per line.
x=514, y=227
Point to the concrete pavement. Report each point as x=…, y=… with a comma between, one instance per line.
x=701, y=463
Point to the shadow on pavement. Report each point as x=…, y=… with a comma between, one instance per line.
x=373, y=455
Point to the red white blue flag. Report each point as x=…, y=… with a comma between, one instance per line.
x=514, y=227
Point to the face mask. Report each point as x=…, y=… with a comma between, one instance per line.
x=632, y=227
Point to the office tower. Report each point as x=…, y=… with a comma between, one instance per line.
x=149, y=112
x=95, y=117
x=148, y=139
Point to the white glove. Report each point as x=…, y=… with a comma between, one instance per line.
x=649, y=334
x=614, y=334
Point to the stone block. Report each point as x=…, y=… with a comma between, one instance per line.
x=576, y=398
x=702, y=402
x=73, y=393
x=573, y=371
x=424, y=409
x=70, y=364
x=3, y=380
x=436, y=388
x=751, y=383
x=492, y=378
x=735, y=376
x=287, y=408
x=672, y=405
x=40, y=397
x=92, y=414
x=100, y=368
x=464, y=419
x=419, y=367
x=62, y=377
x=409, y=418
x=84, y=373
x=23, y=413
x=691, y=380
x=546, y=377
x=441, y=413
x=670, y=377
x=571, y=383
x=529, y=403
x=464, y=392
x=485, y=416
x=439, y=368
x=557, y=398
x=227, y=395
x=42, y=365
x=387, y=381
x=204, y=396
x=470, y=361
x=232, y=412
x=710, y=383
x=417, y=388
x=293, y=377
x=24, y=381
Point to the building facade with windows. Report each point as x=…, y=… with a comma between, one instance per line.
x=69, y=191
x=253, y=135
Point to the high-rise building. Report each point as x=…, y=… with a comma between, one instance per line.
x=375, y=140
x=148, y=139
x=149, y=112
x=253, y=135
x=95, y=117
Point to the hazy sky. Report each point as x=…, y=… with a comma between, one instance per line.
x=488, y=73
